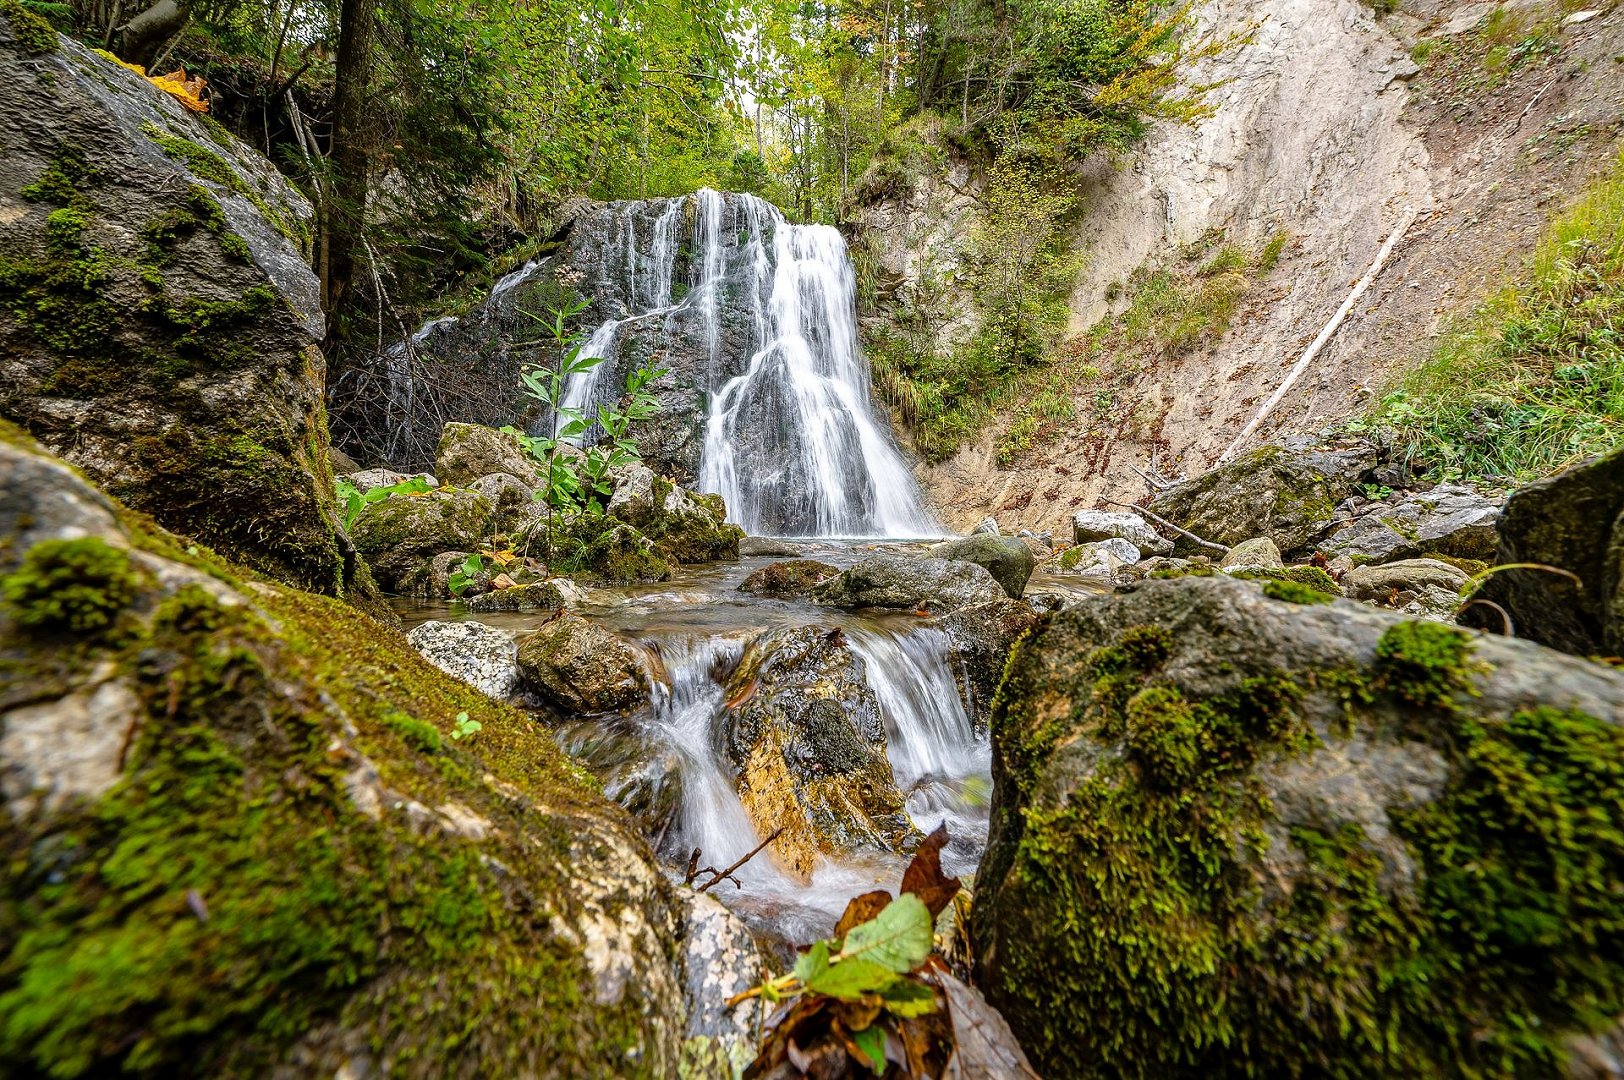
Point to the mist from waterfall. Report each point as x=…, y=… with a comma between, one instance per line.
x=790, y=438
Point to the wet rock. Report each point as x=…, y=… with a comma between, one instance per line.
x=1573, y=521
x=752, y=546
x=290, y=785
x=902, y=581
x=581, y=667
x=159, y=325
x=805, y=733
x=1290, y=496
x=982, y=638
x=398, y=535
x=1448, y=520
x=367, y=479
x=639, y=772
x=469, y=451
x=986, y=527
x=1103, y=559
x=549, y=595
x=1007, y=559
x=1260, y=553
x=1407, y=575
x=432, y=580
x=793, y=577
x=1089, y=526
x=720, y=959
x=685, y=526
x=481, y=656
x=1338, y=817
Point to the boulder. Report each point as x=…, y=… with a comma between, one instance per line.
x=581, y=667
x=507, y=493
x=1232, y=833
x=719, y=959
x=902, y=581
x=1573, y=521
x=686, y=527
x=1006, y=558
x=467, y=452
x=367, y=479
x=807, y=739
x=1448, y=520
x=238, y=825
x=1088, y=526
x=481, y=656
x=1256, y=554
x=792, y=577
x=1378, y=582
x=1288, y=495
x=982, y=637
x=1101, y=559
x=549, y=595
x=752, y=546
x=617, y=554
x=986, y=527
x=158, y=322
x=398, y=535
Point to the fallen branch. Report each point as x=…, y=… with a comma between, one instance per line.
x=1330, y=328
x=727, y=874
x=1186, y=533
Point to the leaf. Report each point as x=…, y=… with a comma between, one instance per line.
x=860, y=909
x=850, y=979
x=983, y=1045
x=924, y=877
x=898, y=938
x=871, y=1041
x=906, y=998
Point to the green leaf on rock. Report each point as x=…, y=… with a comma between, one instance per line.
x=871, y=1041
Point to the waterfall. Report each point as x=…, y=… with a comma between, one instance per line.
x=758, y=317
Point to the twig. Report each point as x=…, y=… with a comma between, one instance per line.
x=1330, y=328
x=1155, y=485
x=1511, y=631
x=1531, y=101
x=727, y=875
x=1186, y=533
x=693, y=868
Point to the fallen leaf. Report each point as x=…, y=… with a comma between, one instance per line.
x=862, y=908
x=983, y=1046
x=924, y=877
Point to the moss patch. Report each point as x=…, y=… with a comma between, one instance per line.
x=76, y=586
x=33, y=32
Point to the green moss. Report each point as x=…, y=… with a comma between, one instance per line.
x=78, y=586
x=33, y=32
x=1426, y=663
x=1167, y=573
x=1294, y=593
x=414, y=732
x=1308, y=577
x=206, y=164
x=199, y=210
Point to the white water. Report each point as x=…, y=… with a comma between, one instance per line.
x=791, y=440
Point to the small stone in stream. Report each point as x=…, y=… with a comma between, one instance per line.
x=582, y=667
x=792, y=577
x=752, y=546
x=909, y=583
x=1089, y=526
x=481, y=656
x=1259, y=553
x=1008, y=559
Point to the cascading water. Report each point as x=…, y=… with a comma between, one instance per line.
x=759, y=317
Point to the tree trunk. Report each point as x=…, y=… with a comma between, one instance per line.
x=344, y=209
x=142, y=39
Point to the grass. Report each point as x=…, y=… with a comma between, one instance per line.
x=1533, y=380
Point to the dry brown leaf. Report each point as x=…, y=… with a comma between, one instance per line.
x=860, y=909
x=924, y=877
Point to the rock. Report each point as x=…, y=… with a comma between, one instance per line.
x=987, y=527
x=1407, y=575
x=1200, y=841
x=1007, y=559
x=1103, y=559
x=1259, y=553
x=481, y=656
x=158, y=322
x=1573, y=521
x=432, y=580
x=793, y=577
x=686, y=527
x=581, y=667
x=1448, y=520
x=550, y=595
x=808, y=741
x=982, y=637
x=467, y=452
x=1088, y=526
x=506, y=492
x=902, y=581
x=752, y=546
x=1290, y=496
x=340, y=463
x=402, y=532
x=620, y=555
x=1581, y=17
x=285, y=853
x=1466, y=17
x=367, y=479
x=720, y=959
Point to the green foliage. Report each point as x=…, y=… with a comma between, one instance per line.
x=465, y=574
x=352, y=500
x=1308, y=577
x=466, y=728
x=71, y=586
x=1292, y=592
x=873, y=959
x=1534, y=380
x=30, y=27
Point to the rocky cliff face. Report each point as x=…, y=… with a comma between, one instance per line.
x=158, y=324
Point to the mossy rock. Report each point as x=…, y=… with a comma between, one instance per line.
x=242, y=839
x=581, y=667
x=791, y=577
x=403, y=533
x=1238, y=837
x=686, y=527
x=1006, y=558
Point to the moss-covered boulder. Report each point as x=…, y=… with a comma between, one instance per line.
x=1450, y=520
x=241, y=838
x=158, y=321
x=1006, y=558
x=911, y=584
x=1288, y=495
x=1238, y=836
x=468, y=452
x=685, y=526
x=401, y=535
x=578, y=666
x=610, y=552
x=791, y=577
x=804, y=731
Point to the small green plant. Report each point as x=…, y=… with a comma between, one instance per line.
x=465, y=728
x=466, y=573
x=354, y=500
